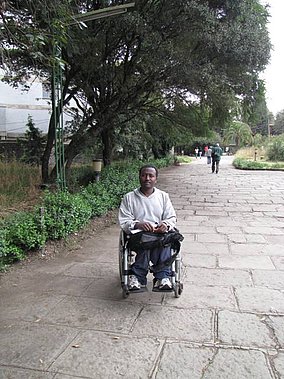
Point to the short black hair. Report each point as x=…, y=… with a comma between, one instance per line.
x=148, y=166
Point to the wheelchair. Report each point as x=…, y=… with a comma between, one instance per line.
x=127, y=257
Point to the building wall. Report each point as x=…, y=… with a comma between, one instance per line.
x=16, y=104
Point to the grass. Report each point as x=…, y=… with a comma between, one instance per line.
x=255, y=159
x=183, y=159
x=19, y=184
x=249, y=153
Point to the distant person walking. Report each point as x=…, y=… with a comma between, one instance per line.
x=216, y=157
x=205, y=150
x=209, y=155
x=196, y=152
x=200, y=152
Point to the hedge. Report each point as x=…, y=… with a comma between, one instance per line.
x=63, y=213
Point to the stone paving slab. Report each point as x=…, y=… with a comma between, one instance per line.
x=65, y=317
x=261, y=300
x=247, y=249
x=187, y=324
x=195, y=296
x=279, y=364
x=276, y=323
x=264, y=230
x=270, y=279
x=101, y=290
x=246, y=262
x=211, y=238
x=202, y=260
x=278, y=262
x=228, y=364
x=27, y=306
x=211, y=363
x=218, y=277
x=15, y=373
x=187, y=360
x=33, y=345
x=91, y=269
x=109, y=356
x=244, y=329
x=197, y=247
x=274, y=249
x=275, y=240
x=256, y=238
x=236, y=238
x=93, y=313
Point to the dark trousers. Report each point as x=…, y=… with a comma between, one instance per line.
x=141, y=265
x=215, y=165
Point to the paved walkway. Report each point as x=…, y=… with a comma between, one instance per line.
x=65, y=318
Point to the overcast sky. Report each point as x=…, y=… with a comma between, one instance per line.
x=274, y=74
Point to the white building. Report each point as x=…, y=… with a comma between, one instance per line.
x=16, y=104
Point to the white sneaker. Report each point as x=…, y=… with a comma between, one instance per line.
x=134, y=283
x=164, y=284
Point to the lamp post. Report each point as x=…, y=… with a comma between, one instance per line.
x=57, y=87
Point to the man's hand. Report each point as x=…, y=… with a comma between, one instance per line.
x=162, y=228
x=146, y=226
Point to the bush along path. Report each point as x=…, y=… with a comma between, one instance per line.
x=63, y=213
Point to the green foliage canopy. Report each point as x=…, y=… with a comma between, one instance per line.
x=238, y=133
x=204, y=52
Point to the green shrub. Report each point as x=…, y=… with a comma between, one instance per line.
x=80, y=176
x=8, y=252
x=99, y=199
x=183, y=159
x=20, y=233
x=275, y=149
x=25, y=230
x=63, y=213
x=245, y=164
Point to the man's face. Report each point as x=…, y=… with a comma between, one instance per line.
x=148, y=178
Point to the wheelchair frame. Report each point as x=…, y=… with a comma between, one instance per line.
x=127, y=257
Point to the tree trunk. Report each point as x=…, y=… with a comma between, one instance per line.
x=108, y=144
x=51, y=134
x=156, y=152
x=47, y=151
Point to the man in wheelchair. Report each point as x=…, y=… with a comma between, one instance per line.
x=150, y=210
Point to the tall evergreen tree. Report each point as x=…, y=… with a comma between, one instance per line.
x=117, y=68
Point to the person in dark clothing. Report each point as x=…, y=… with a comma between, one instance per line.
x=216, y=157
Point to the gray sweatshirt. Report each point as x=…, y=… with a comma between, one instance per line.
x=156, y=208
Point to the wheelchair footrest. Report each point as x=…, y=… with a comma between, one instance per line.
x=155, y=289
x=142, y=289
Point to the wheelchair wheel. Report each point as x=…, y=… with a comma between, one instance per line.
x=178, y=289
x=124, y=257
x=120, y=260
x=125, y=291
x=178, y=286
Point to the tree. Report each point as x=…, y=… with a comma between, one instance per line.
x=278, y=127
x=118, y=69
x=33, y=145
x=238, y=133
